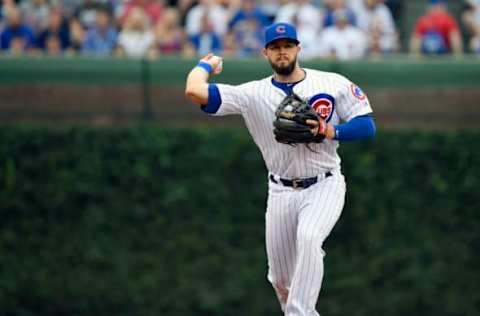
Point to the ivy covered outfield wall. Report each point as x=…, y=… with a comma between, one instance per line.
x=148, y=221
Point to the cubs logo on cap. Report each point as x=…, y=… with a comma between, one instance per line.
x=281, y=30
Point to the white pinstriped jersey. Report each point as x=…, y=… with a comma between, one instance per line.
x=333, y=96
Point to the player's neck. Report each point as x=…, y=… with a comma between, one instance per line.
x=297, y=75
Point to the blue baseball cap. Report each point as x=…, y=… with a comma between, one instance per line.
x=278, y=31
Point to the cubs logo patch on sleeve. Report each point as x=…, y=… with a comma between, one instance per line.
x=357, y=92
x=323, y=104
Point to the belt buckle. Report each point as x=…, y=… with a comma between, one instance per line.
x=297, y=184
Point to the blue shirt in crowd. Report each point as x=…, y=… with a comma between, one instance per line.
x=329, y=19
x=100, y=43
x=206, y=42
x=256, y=14
x=63, y=34
x=22, y=31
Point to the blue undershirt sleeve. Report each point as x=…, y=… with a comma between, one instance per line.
x=214, y=100
x=358, y=128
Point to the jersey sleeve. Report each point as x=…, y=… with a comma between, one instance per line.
x=226, y=99
x=352, y=101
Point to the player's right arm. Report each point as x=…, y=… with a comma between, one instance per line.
x=196, y=88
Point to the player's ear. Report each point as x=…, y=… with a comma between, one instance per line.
x=264, y=53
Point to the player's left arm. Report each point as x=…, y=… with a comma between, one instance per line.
x=354, y=109
x=358, y=128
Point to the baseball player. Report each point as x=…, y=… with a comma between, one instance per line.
x=306, y=189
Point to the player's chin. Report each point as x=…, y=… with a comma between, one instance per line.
x=285, y=69
x=282, y=64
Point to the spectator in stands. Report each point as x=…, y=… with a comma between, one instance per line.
x=136, y=40
x=169, y=36
x=229, y=46
x=69, y=7
x=207, y=40
x=333, y=5
x=2, y=18
x=249, y=10
x=396, y=8
x=5, y=5
x=86, y=12
x=436, y=32
x=342, y=41
x=215, y=14
x=183, y=7
x=247, y=26
x=471, y=19
x=36, y=14
x=308, y=20
x=77, y=35
x=101, y=40
x=17, y=47
x=57, y=28
x=270, y=8
x=53, y=45
x=16, y=35
x=375, y=19
x=152, y=8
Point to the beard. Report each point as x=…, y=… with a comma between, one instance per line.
x=284, y=70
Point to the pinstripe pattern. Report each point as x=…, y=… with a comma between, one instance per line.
x=281, y=240
x=297, y=221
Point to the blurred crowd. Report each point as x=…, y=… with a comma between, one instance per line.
x=340, y=29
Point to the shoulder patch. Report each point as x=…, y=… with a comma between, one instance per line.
x=323, y=104
x=357, y=92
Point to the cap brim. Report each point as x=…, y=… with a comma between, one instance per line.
x=282, y=37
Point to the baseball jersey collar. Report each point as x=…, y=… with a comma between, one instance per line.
x=287, y=87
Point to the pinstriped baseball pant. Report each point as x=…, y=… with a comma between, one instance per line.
x=297, y=223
